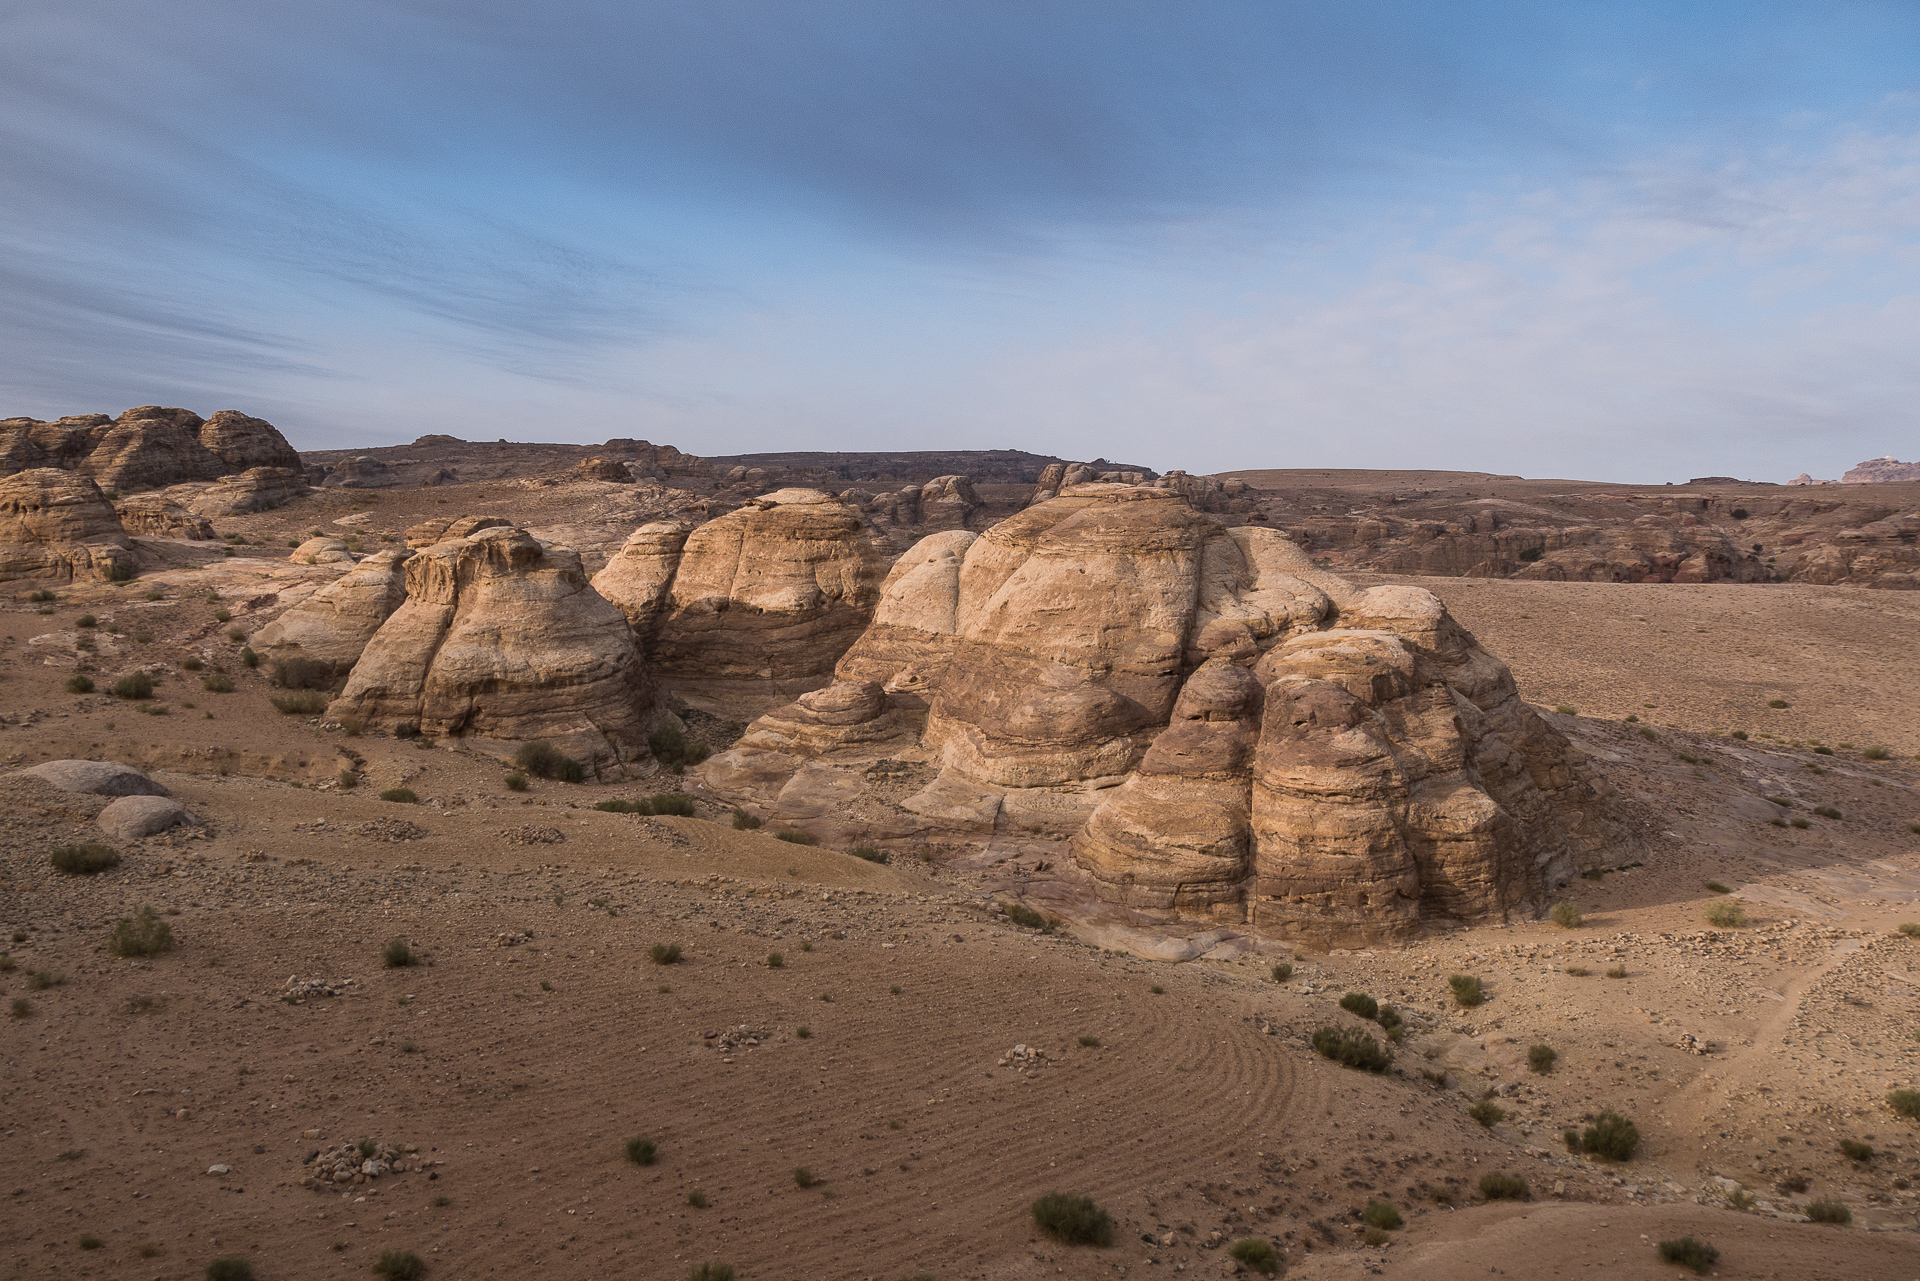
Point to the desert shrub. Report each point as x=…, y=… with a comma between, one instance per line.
x=223, y=615
x=142, y=934
x=1089, y=1042
x=678, y=804
x=1354, y=1049
x=1740, y=735
x=1689, y=1252
x=803, y=1032
x=743, y=821
x=1905, y=1102
x=1910, y=929
x=302, y=673
x=1375, y=1237
x=396, y=955
x=1616, y=971
x=1487, y=1113
x=86, y=620
x=665, y=953
x=1801, y=823
x=539, y=758
x=1566, y=915
x=41, y=980
x=642, y=1150
x=803, y=1177
x=870, y=853
x=697, y=1199
x=1827, y=811
x=1854, y=1150
x=1829, y=1212
x=233, y=1267
x=40, y=597
x=79, y=684
x=1022, y=915
x=217, y=683
x=1361, y=1004
x=1718, y=888
x=1541, y=1058
x=191, y=664
x=85, y=860
x=776, y=960
x=1777, y=704
x=6, y=963
x=1505, y=1187
x=793, y=836
x=399, y=1265
x=1389, y=1018
x=1072, y=1220
x=20, y=1008
x=1467, y=990
x=623, y=807
x=1564, y=710
x=1282, y=972
x=304, y=702
x=570, y=771
x=1256, y=1253
x=1875, y=753
x=1381, y=1214
x=88, y=1241
x=1728, y=915
x=1822, y=750
x=673, y=749
x=137, y=685
x=1611, y=1137
x=516, y=782
x=400, y=796
x=249, y=658
x=711, y=1272
x=347, y=780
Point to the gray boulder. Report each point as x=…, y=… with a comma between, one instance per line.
x=96, y=778
x=132, y=817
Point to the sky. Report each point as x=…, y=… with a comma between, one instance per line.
x=1614, y=241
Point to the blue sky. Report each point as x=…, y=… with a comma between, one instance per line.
x=1616, y=241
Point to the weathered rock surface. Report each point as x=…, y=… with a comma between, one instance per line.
x=502, y=639
x=242, y=442
x=132, y=817
x=322, y=550
x=257, y=489
x=754, y=607
x=429, y=532
x=96, y=778
x=363, y=472
x=148, y=447
x=158, y=515
x=335, y=623
x=57, y=525
x=1881, y=471
x=606, y=469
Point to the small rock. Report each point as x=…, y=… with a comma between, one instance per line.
x=219, y=1169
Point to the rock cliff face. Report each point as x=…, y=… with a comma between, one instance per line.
x=1881, y=471
x=147, y=447
x=57, y=525
x=256, y=489
x=1245, y=739
x=161, y=516
x=754, y=607
x=336, y=622
x=501, y=639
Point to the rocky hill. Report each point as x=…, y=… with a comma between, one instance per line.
x=148, y=447
x=1881, y=471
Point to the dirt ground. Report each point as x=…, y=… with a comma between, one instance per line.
x=539, y=1035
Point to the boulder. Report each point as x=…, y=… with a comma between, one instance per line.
x=501, y=639
x=96, y=778
x=605, y=469
x=365, y=472
x=133, y=817
x=56, y=524
x=429, y=532
x=322, y=550
x=158, y=515
x=257, y=489
x=336, y=622
x=243, y=443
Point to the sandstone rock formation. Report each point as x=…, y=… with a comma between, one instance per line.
x=502, y=639
x=1881, y=471
x=147, y=447
x=57, y=525
x=133, y=817
x=256, y=489
x=96, y=778
x=334, y=624
x=323, y=549
x=158, y=515
x=754, y=607
x=1240, y=737
x=601, y=469
x=364, y=472
x=429, y=532
x=945, y=502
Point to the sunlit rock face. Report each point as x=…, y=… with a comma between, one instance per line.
x=57, y=525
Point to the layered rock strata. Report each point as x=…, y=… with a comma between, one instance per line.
x=502, y=639
x=335, y=624
x=147, y=447
x=57, y=525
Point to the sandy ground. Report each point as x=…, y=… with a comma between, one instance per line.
x=520, y=1071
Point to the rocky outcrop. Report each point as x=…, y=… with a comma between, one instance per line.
x=323, y=549
x=605, y=469
x=257, y=489
x=160, y=516
x=365, y=472
x=57, y=525
x=754, y=607
x=945, y=502
x=148, y=447
x=1881, y=471
x=1241, y=737
x=335, y=624
x=429, y=532
x=502, y=640
x=96, y=778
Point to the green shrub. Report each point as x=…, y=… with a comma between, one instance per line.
x=400, y=796
x=1072, y=1220
x=1854, y=1150
x=86, y=620
x=1564, y=710
x=217, y=683
x=347, y=780
x=1611, y=1137
x=397, y=955
x=1822, y=751
x=40, y=596
x=743, y=821
x=1727, y=915
x=697, y=1199
x=1361, y=1004
x=1777, y=704
x=304, y=702
x=399, y=1265
x=223, y=615
x=803, y=1177
x=1801, y=823
x=1910, y=929
x=138, y=685
x=1541, y=1058
x=1505, y=1187
x=803, y=1032
x=570, y=771
x=665, y=953
x=1616, y=971
x=21, y=1008
x=1905, y=1102
x=516, y=782
x=1354, y=1049
x=1282, y=972
x=79, y=684
x=88, y=1241
x=623, y=807
x=233, y=1267
x=1874, y=753
x=1829, y=1212
x=1487, y=1113
x=85, y=860
x=302, y=673
x=793, y=836
x=711, y=1272
x=1566, y=915
x=1827, y=811
x=1256, y=1253
x=1389, y=1018
x=1467, y=990
x=673, y=749
x=869, y=853
x=1381, y=1214
x=1739, y=735
x=775, y=960
x=1022, y=915
x=539, y=758
x=249, y=658
x=1689, y=1252
x=1718, y=888
x=642, y=1150
x=678, y=804
x=144, y=934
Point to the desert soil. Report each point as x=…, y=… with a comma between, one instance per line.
x=539, y=1036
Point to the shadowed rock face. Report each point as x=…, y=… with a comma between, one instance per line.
x=57, y=525
x=336, y=622
x=500, y=638
x=755, y=607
